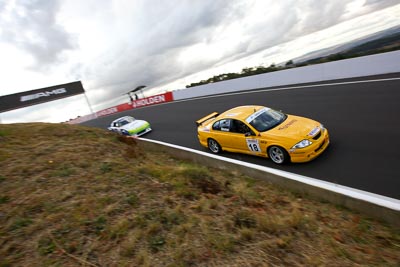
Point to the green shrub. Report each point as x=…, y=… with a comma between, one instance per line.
x=4, y=199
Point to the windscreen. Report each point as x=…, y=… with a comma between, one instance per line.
x=124, y=121
x=266, y=119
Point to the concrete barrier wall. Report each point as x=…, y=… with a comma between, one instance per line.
x=375, y=206
x=356, y=67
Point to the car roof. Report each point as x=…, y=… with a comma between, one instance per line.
x=241, y=112
x=122, y=118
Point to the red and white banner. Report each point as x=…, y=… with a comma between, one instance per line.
x=151, y=100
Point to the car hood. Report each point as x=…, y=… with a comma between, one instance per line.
x=296, y=128
x=134, y=125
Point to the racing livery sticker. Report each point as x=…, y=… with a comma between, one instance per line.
x=287, y=125
x=253, y=145
x=255, y=115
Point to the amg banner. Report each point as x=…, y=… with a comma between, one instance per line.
x=38, y=96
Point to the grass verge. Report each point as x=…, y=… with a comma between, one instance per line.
x=72, y=195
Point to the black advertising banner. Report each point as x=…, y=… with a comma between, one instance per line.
x=38, y=96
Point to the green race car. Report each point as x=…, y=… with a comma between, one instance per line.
x=128, y=125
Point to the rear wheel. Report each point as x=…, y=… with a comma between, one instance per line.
x=214, y=146
x=278, y=154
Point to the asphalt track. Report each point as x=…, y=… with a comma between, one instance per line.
x=361, y=114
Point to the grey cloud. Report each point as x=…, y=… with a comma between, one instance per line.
x=381, y=3
x=314, y=15
x=33, y=28
x=187, y=23
x=148, y=55
x=147, y=45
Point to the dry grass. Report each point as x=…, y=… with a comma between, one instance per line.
x=77, y=196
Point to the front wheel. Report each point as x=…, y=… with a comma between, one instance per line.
x=278, y=155
x=214, y=146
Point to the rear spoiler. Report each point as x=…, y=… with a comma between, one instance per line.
x=206, y=118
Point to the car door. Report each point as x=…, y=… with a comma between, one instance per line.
x=220, y=132
x=244, y=139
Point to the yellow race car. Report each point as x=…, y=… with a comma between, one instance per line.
x=262, y=131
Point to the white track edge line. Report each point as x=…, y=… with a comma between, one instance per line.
x=379, y=200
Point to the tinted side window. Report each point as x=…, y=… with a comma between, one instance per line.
x=216, y=126
x=222, y=125
x=239, y=127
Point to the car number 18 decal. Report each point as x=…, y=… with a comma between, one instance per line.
x=253, y=145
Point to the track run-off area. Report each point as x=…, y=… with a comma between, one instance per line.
x=361, y=114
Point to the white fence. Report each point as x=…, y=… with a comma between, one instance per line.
x=349, y=68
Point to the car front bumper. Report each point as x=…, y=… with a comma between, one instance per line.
x=311, y=152
x=140, y=131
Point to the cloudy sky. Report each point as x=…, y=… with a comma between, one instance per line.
x=114, y=46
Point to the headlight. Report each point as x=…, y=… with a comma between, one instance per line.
x=302, y=144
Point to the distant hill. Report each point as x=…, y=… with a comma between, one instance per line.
x=380, y=42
